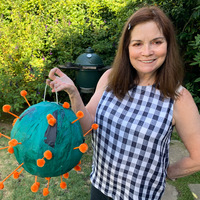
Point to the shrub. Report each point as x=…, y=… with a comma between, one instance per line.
x=37, y=35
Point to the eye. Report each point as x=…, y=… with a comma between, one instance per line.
x=137, y=44
x=157, y=42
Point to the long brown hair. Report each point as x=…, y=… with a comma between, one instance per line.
x=169, y=76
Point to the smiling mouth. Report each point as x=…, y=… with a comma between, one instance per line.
x=147, y=61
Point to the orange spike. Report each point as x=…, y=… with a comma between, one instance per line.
x=4, y=148
x=23, y=94
x=48, y=155
x=66, y=105
x=6, y=108
x=77, y=168
x=63, y=185
x=36, y=181
x=45, y=191
x=40, y=162
x=80, y=115
x=48, y=178
x=49, y=116
x=12, y=173
x=1, y=186
x=35, y=186
x=5, y=136
x=52, y=121
x=83, y=147
x=66, y=175
x=14, y=121
x=16, y=175
x=13, y=143
x=21, y=171
x=10, y=149
x=94, y=126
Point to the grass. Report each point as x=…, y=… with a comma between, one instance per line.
x=78, y=184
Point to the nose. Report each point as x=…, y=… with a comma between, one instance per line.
x=147, y=50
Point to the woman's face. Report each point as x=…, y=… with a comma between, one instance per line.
x=147, y=49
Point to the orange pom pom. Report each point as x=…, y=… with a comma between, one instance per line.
x=6, y=108
x=66, y=175
x=40, y=162
x=48, y=155
x=79, y=114
x=48, y=178
x=83, y=147
x=34, y=187
x=52, y=121
x=16, y=175
x=45, y=191
x=23, y=93
x=77, y=168
x=10, y=149
x=38, y=184
x=49, y=116
x=66, y=105
x=14, y=121
x=1, y=185
x=63, y=185
x=13, y=142
x=95, y=126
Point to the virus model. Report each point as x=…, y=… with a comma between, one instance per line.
x=47, y=141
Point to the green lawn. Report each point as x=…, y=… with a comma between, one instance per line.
x=78, y=183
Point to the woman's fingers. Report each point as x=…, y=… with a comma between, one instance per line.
x=48, y=82
x=60, y=81
x=54, y=71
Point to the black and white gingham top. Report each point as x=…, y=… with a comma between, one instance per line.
x=131, y=144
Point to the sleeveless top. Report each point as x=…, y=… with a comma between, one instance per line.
x=131, y=145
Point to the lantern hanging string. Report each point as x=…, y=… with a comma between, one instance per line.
x=45, y=91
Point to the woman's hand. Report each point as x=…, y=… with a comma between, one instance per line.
x=60, y=81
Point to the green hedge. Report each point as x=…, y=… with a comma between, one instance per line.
x=36, y=35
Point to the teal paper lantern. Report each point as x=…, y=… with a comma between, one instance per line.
x=37, y=136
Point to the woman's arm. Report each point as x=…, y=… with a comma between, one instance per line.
x=187, y=123
x=60, y=81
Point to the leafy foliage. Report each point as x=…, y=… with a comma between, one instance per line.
x=36, y=35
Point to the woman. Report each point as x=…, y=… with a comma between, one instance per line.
x=136, y=105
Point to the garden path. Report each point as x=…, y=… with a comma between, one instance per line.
x=177, y=151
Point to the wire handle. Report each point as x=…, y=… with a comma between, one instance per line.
x=45, y=91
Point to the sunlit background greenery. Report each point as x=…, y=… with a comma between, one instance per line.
x=37, y=35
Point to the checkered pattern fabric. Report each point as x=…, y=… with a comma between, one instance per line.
x=131, y=144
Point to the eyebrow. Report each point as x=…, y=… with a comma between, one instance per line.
x=158, y=38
